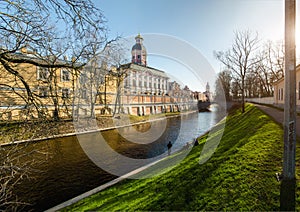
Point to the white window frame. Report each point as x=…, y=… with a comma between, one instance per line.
x=43, y=76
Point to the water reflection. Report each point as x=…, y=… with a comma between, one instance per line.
x=67, y=171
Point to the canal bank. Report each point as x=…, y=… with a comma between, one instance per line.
x=106, y=124
x=66, y=171
x=239, y=176
x=111, y=183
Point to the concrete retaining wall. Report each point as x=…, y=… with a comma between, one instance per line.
x=263, y=100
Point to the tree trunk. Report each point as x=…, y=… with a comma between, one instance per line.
x=243, y=95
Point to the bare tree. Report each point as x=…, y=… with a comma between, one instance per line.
x=59, y=34
x=32, y=25
x=115, y=57
x=223, y=84
x=268, y=69
x=235, y=88
x=274, y=59
x=92, y=78
x=240, y=58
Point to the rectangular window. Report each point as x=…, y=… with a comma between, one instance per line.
x=281, y=93
x=83, y=79
x=65, y=93
x=65, y=75
x=83, y=94
x=43, y=92
x=42, y=73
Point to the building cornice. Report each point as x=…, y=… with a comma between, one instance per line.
x=141, y=68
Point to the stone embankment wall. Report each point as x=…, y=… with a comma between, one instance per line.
x=263, y=100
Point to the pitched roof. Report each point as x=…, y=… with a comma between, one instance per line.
x=141, y=68
x=282, y=79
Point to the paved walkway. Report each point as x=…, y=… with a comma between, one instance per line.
x=278, y=116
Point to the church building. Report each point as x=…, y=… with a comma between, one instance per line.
x=140, y=78
x=146, y=89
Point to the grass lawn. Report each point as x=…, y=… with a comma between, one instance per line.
x=239, y=176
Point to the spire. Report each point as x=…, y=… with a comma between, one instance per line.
x=207, y=88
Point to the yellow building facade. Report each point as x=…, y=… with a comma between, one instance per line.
x=29, y=91
x=38, y=88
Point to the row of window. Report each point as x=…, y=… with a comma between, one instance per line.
x=43, y=92
x=138, y=57
x=159, y=86
x=44, y=74
x=145, y=78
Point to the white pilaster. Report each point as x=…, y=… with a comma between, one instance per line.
x=137, y=81
x=143, y=80
x=152, y=84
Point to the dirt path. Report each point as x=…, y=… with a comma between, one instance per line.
x=278, y=116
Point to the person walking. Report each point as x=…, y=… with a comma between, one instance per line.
x=169, y=147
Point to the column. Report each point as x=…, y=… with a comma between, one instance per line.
x=130, y=79
x=152, y=84
x=156, y=80
x=147, y=82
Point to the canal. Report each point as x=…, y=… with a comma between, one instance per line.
x=62, y=170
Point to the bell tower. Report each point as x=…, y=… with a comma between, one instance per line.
x=207, y=88
x=138, y=52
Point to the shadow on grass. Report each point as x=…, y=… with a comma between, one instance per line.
x=239, y=176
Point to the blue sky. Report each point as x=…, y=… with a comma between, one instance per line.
x=206, y=25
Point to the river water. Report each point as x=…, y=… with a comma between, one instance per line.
x=64, y=170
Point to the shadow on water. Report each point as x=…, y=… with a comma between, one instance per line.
x=66, y=171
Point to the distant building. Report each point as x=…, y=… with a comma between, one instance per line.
x=207, y=92
x=279, y=90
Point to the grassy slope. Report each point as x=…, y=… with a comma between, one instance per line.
x=239, y=176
